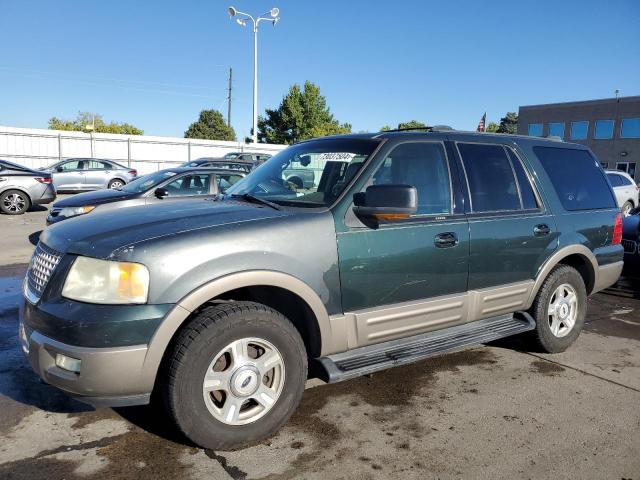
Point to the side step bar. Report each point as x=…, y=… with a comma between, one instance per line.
x=373, y=358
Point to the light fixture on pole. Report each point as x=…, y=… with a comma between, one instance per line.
x=270, y=16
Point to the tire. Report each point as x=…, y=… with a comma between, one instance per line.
x=14, y=202
x=551, y=334
x=626, y=209
x=205, y=417
x=116, y=183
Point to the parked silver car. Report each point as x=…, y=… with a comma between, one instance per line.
x=625, y=189
x=21, y=187
x=79, y=174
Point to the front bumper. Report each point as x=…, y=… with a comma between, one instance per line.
x=104, y=377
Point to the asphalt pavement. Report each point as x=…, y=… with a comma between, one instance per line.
x=496, y=411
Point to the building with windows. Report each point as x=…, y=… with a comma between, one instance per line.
x=609, y=127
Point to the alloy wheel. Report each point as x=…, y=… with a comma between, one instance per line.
x=244, y=381
x=14, y=202
x=563, y=310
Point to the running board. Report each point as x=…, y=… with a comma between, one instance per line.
x=373, y=358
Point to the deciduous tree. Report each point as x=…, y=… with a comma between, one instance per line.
x=210, y=126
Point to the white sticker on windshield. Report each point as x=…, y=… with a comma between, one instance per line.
x=337, y=156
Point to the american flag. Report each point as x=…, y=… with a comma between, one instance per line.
x=481, y=124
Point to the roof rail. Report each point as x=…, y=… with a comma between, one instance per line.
x=435, y=128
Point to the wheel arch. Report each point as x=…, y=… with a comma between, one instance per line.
x=21, y=190
x=576, y=256
x=285, y=293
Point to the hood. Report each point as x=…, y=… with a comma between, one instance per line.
x=99, y=234
x=94, y=198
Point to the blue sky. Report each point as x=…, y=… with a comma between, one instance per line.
x=157, y=64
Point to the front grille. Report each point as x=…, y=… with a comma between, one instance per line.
x=43, y=262
x=629, y=246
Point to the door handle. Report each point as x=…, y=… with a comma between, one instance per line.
x=541, y=230
x=445, y=240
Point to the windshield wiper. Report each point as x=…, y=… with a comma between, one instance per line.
x=253, y=199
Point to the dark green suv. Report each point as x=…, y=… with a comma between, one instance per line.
x=407, y=245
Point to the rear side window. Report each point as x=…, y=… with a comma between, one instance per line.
x=616, y=180
x=577, y=178
x=529, y=201
x=491, y=179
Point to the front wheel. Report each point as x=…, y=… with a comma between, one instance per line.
x=559, y=310
x=236, y=374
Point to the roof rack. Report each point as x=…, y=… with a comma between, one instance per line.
x=435, y=128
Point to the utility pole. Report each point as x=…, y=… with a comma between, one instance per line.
x=229, y=97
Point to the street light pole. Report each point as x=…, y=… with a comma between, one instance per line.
x=242, y=21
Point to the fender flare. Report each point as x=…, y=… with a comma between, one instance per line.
x=557, y=258
x=198, y=297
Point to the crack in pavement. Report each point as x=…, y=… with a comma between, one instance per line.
x=584, y=372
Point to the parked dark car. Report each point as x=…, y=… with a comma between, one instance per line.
x=163, y=186
x=22, y=187
x=630, y=243
x=409, y=245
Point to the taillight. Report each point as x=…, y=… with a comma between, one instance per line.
x=133, y=172
x=617, y=230
x=43, y=179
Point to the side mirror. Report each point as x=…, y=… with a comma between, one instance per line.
x=161, y=193
x=386, y=202
x=58, y=169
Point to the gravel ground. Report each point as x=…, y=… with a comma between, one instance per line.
x=496, y=411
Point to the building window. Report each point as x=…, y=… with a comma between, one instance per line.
x=603, y=130
x=579, y=130
x=556, y=129
x=535, y=129
x=629, y=167
x=630, y=128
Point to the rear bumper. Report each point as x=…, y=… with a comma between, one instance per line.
x=48, y=196
x=105, y=377
x=607, y=275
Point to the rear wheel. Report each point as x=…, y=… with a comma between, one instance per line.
x=116, y=184
x=626, y=208
x=14, y=202
x=235, y=375
x=559, y=310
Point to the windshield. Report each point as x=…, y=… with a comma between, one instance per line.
x=147, y=182
x=310, y=174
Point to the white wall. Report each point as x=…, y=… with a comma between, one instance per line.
x=36, y=148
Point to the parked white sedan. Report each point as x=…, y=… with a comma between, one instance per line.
x=625, y=189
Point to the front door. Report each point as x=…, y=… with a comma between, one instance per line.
x=69, y=175
x=388, y=273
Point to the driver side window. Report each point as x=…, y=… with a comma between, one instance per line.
x=189, y=185
x=422, y=165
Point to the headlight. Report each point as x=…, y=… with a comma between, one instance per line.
x=101, y=281
x=74, y=211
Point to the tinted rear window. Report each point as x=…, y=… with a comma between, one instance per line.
x=616, y=180
x=577, y=177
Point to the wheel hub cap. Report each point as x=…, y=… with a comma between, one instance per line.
x=563, y=310
x=244, y=382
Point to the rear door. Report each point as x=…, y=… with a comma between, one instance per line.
x=96, y=173
x=511, y=232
